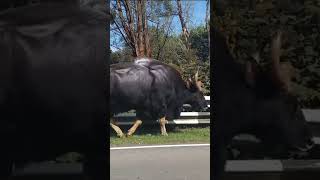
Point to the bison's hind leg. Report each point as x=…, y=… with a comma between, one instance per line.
x=133, y=129
x=116, y=128
x=163, y=123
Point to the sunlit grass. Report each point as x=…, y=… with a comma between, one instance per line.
x=186, y=135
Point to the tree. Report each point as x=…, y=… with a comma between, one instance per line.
x=135, y=20
x=199, y=41
x=131, y=23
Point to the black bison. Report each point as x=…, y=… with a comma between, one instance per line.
x=154, y=89
x=248, y=99
x=53, y=96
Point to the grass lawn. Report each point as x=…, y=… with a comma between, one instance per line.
x=176, y=136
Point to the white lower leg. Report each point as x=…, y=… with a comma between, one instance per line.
x=133, y=129
x=163, y=122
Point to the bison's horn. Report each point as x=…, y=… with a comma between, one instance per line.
x=196, y=76
x=278, y=72
x=275, y=51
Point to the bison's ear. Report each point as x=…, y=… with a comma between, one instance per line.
x=193, y=86
x=199, y=85
x=250, y=74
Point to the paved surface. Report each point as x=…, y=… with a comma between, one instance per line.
x=166, y=163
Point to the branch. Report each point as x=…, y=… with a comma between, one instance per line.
x=130, y=39
x=124, y=37
x=165, y=39
x=183, y=24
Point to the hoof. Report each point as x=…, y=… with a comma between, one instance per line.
x=128, y=134
x=164, y=134
x=120, y=135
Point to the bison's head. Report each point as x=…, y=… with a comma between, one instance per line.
x=197, y=99
x=279, y=112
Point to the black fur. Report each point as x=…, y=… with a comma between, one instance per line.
x=152, y=88
x=261, y=108
x=52, y=90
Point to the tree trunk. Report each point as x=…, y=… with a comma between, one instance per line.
x=127, y=26
x=139, y=12
x=185, y=31
x=148, y=49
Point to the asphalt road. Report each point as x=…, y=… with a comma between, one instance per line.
x=171, y=163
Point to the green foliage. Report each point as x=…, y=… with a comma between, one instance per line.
x=199, y=41
x=161, y=8
x=250, y=31
x=187, y=61
x=124, y=55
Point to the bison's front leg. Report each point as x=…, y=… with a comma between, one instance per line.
x=163, y=122
x=116, y=128
x=133, y=129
